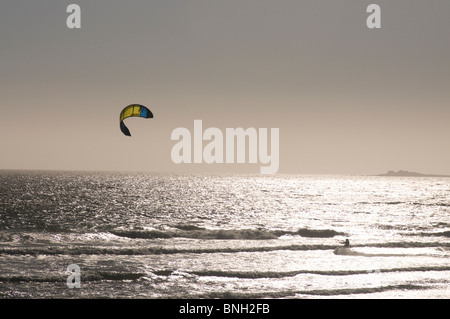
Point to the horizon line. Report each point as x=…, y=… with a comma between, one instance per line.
x=222, y=172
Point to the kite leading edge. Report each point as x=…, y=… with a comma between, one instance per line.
x=131, y=110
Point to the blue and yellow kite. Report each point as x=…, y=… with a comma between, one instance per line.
x=130, y=111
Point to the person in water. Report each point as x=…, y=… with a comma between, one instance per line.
x=347, y=243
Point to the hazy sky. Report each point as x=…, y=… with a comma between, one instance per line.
x=347, y=99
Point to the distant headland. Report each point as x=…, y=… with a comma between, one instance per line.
x=402, y=173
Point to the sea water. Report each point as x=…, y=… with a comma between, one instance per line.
x=154, y=235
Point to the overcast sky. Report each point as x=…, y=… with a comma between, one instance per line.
x=347, y=99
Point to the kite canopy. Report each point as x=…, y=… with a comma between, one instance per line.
x=130, y=111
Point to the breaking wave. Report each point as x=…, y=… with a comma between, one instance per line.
x=96, y=250
x=277, y=274
x=431, y=234
x=194, y=232
x=86, y=276
x=300, y=293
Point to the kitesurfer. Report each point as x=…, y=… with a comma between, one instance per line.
x=347, y=243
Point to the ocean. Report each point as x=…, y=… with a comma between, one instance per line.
x=158, y=236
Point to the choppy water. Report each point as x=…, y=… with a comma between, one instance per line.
x=197, y=236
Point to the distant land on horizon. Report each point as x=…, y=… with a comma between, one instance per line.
x=410, y=174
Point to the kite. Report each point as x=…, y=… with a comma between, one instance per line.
x=130, y=111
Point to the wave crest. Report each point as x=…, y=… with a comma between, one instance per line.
x=194, y=232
